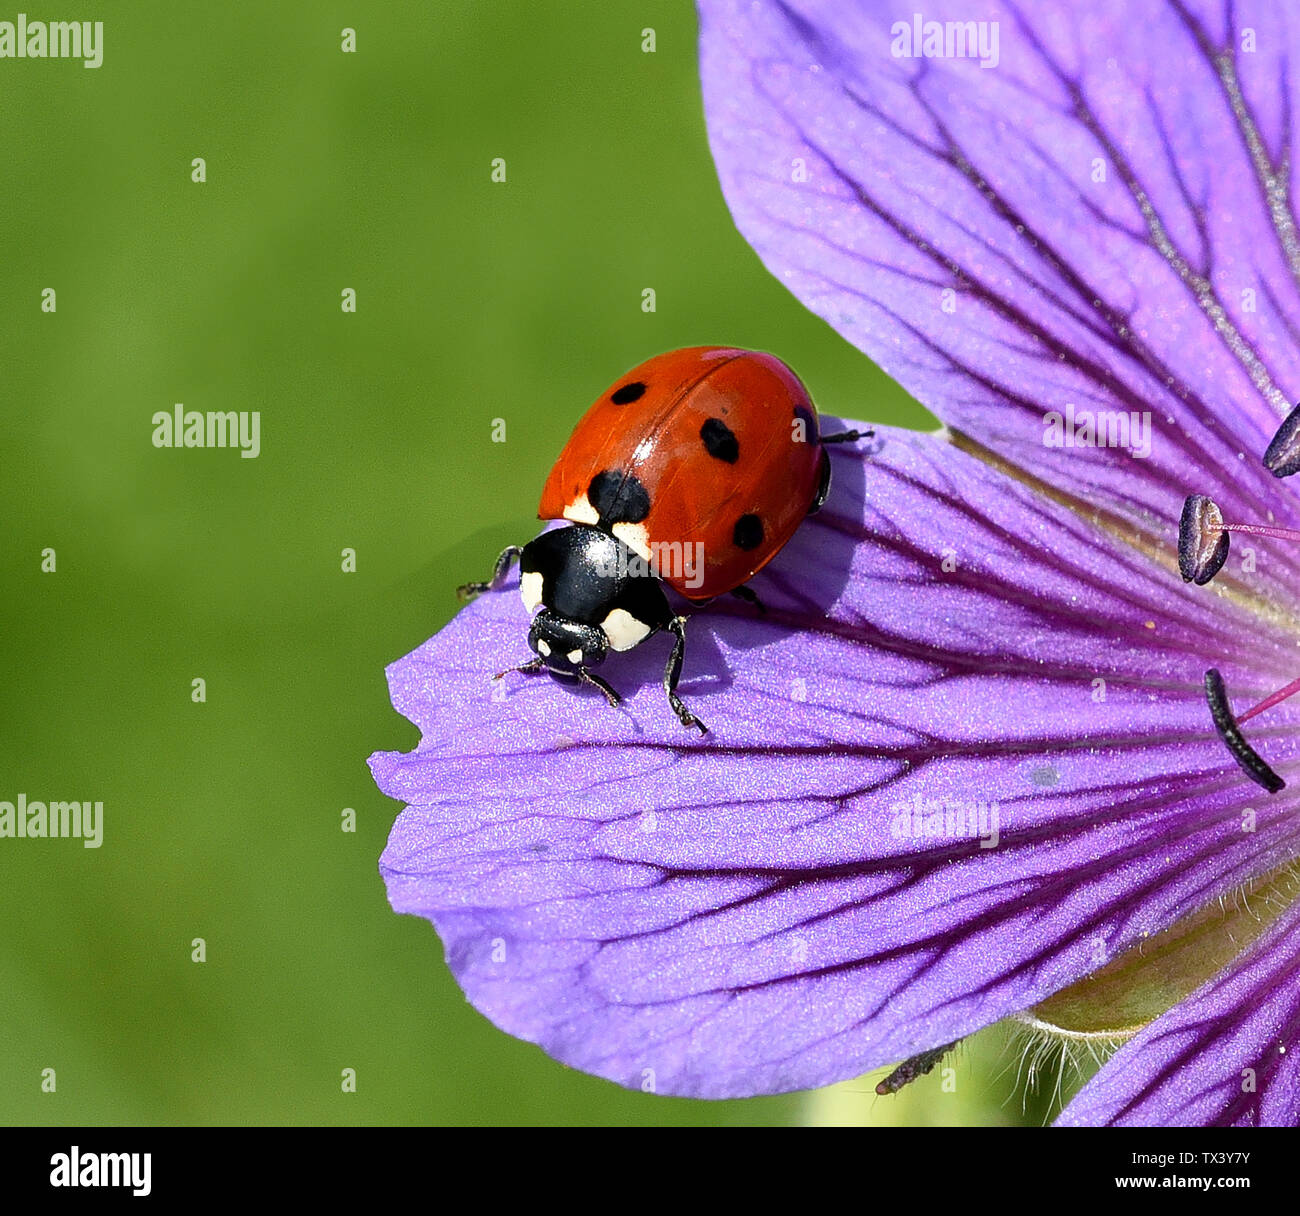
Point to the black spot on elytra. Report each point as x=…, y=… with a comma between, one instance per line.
x=627, y=393
x=619, y=498
x=748, y=532
x=719, y=441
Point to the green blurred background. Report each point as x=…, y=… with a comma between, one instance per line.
x=475, y=300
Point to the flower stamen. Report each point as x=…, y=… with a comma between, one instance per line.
x=1202, y=551
x=1282, y=456
x=1229, y=728
x=1203, y=538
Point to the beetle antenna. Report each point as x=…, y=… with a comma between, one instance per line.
x=529, y=668
x=847, y=436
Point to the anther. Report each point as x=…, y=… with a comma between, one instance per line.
x=1229, y=728
x=1282, y=456
x=1202, y=540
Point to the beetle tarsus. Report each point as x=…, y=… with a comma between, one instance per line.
x=684, y=715
x=500, y=572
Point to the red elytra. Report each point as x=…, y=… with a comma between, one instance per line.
x=710, y=446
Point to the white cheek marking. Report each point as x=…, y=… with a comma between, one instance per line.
x=542, y=648
x=624, y=630
x=530, y=587
x=635, y=537
x=581, y=511
x=575, y=657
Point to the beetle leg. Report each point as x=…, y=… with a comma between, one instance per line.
x=750, y=597
x=467, y=591
x=673, y=673
x=823, y=485
x=587, y=678
x=824, y=481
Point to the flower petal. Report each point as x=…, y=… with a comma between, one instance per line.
x=758, y=910
x=1085, y=225
x=1229, y=1055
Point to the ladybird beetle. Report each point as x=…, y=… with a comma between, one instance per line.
x=693, y=470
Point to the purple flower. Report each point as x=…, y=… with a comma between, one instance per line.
x=966, y=759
